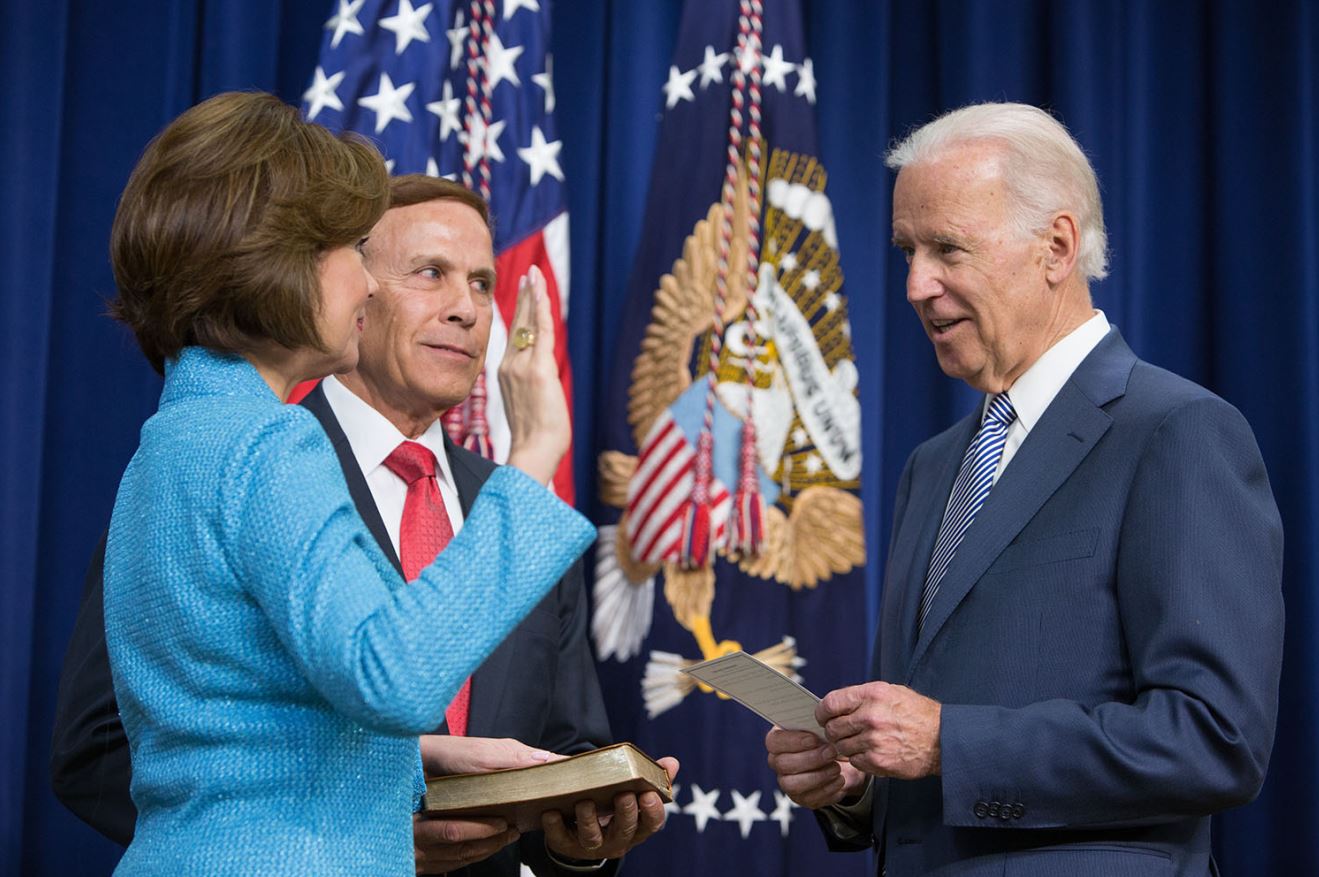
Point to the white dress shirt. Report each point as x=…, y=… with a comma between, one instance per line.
x=373, y=438
x=1035, y=390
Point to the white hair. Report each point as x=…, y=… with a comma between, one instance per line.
x=1042, y=166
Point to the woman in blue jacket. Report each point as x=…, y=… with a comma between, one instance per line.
x=272, y=670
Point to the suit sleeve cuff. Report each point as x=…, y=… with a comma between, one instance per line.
x=850, y=823
x=581, y=866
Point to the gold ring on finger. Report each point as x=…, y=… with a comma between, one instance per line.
x=524, y=338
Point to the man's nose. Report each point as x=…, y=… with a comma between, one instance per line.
x=459, y=305
x=922, y=280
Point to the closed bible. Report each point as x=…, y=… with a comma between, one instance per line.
x=522, y=794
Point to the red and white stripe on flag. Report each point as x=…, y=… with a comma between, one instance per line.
x=656, y=494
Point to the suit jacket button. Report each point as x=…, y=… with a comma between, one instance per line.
x=981, y=810
x=995, y=808
x=1018, y=810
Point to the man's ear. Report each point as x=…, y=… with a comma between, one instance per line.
x=1063, y=239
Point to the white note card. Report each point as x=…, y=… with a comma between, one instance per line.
x=761, y=689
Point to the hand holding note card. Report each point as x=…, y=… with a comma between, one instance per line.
x=761, y=689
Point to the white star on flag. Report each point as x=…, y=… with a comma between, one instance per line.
x=712, y=67
x=806, y=80
x=546, y=81
x=799, y=436
x=746, y=812
x=483, y=141
x=542, y=157
x=446, y=108
x=782, y=811
x=811, y=279
x=407, y=25
x=679, y=87
x=499, y=62
x=322, y=93
x=788, y=262
x=814, y=464
x=702, y=807
x=388, y=103
x=457, y=39
x=747, y=58
x=832, y=301
x=511, y=6
x=776, y=69
x=345, y=21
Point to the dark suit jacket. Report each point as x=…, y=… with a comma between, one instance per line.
x=1107, y=641
x=539, y=686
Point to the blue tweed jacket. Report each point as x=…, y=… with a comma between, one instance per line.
x=271, y=667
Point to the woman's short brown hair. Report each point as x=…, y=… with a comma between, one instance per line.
x=219, y=233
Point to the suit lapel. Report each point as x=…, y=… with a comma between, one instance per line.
x=317, y=404
x=1069, y=429
x=928, y=507
x=488, y=682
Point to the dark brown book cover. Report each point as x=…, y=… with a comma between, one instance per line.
x=521, y=795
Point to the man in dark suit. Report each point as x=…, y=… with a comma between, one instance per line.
x=423, y=345
x=1081, y=631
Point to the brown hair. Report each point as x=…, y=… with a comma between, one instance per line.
x=409, y=189
x=219, y=233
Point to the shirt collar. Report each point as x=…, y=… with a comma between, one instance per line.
x=373, y=438
x=1035, y=390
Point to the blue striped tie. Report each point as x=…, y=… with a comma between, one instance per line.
x=970, y=490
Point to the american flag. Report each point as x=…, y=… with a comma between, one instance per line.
x=656, y=493
x=463, y=90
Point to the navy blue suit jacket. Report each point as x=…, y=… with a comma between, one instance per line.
x=539, y=686
x=1106, y=643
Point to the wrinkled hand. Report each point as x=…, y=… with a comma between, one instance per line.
x=442, y=754
x=809, y=771
x=882, y=729
x=635, y=818
x=442, y=845
x=529, y=380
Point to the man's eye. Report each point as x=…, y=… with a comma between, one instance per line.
x=360, y=246
x=482, y=286
x=430, y=272
x=947, y=249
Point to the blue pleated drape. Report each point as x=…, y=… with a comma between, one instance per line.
x=1202, y=119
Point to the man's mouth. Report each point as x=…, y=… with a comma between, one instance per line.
x=942, y=327
x=449, y=349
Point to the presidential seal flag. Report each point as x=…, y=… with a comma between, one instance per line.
x=734, y=457
x=463, y=89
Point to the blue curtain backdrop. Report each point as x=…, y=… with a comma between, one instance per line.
x=1202, y=119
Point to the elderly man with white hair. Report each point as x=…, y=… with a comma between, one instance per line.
x=1081, y=631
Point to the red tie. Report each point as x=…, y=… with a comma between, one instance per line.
x=423, y=533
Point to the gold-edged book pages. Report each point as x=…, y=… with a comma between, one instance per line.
x=521, y=795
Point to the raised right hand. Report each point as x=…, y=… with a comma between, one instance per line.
x=809, y=771
x=529, y=380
